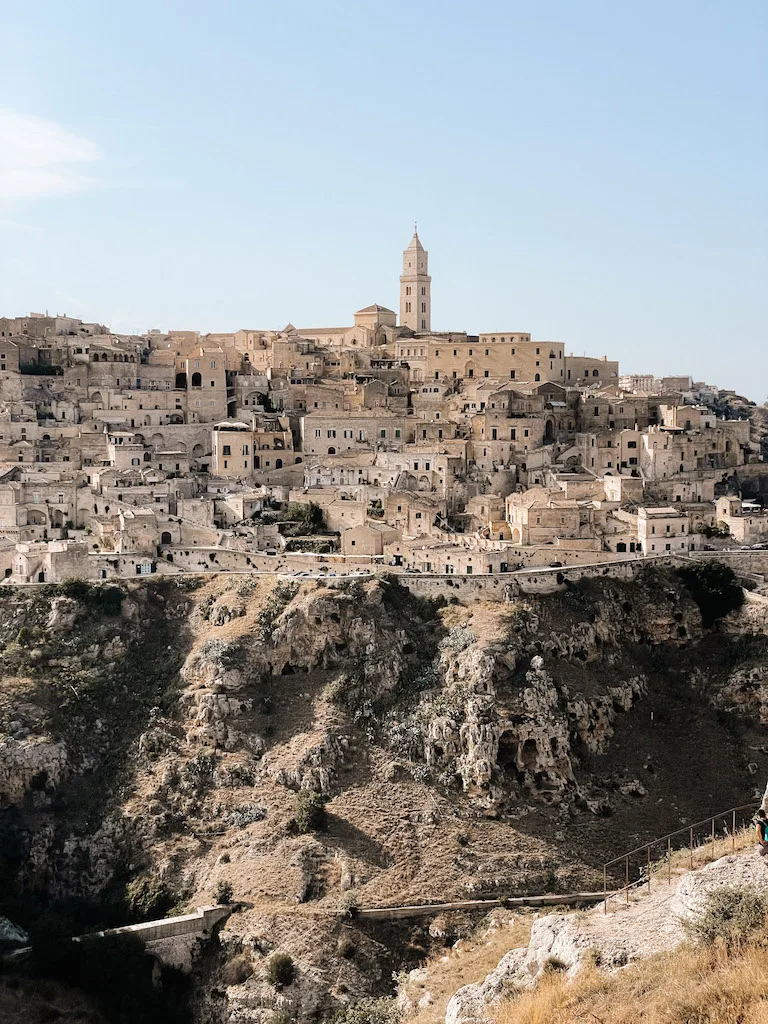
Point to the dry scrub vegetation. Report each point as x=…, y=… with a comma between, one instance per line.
x=690, y=986
x=719, y=977
x=468, y=961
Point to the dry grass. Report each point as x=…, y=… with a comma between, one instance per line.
x=690, y=986
x=670, y=868
x=470, y=960
x=706, y=852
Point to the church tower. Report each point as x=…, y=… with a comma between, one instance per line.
x=415, y=288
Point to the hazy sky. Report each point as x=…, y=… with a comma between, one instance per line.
x=592, y=172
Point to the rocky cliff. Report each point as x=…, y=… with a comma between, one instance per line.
x=160, y=743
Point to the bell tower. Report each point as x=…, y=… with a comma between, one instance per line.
x=415, y=287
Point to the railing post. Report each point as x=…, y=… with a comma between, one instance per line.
x=626, y=876
x=713, y=839
x=733, y=833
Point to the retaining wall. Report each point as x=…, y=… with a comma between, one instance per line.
x=200, y=923
x=505, y=586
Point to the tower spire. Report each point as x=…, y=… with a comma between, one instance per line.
x=415, y=286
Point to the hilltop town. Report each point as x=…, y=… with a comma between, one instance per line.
x=339, y=449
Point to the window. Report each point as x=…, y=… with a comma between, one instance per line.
x=245, y=449
x=485, y=373
x=226, y=450
x=423, y=307
x=317, y=432
x=407, y=307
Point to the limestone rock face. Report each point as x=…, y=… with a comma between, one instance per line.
x=11, y=934
x=746, y=691
x=33, y=763
x=750, y=872
x=64, y=613
x=475, y=1003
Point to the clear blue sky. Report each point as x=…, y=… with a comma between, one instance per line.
x=591, y=172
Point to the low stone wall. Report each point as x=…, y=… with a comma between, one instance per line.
x=505, y=586
x=200, y=923
x=579, y=899
x=744, y=561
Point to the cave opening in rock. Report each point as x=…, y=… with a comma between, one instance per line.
x=507, y=755
x=529, y=755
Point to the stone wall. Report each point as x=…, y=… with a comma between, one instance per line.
x=505, y=586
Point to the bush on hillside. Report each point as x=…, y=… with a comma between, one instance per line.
x=369, y=1011
x=223, y=892
x=731, y=916
x=714, y=588
x=310, y=814
x=281, y=970
x=148, y=898
x=105, y=599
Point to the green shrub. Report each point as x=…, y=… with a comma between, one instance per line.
x=105, y=599
x=148, y=898
x=310, y=814
x=223, y=892
x=369, y=1011
x=714, y=588
x=345, y=947
x=77, y=589
x=237, y=970
x=731, y=916
x=281, y=970
x=554, y=965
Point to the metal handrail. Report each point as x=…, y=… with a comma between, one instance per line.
x=646, y=848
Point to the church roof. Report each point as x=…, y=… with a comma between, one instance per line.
x=416, y=243
x=375, y=309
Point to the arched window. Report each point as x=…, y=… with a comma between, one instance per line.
x=181, y=380
x=537, y=377
x=197, y=380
